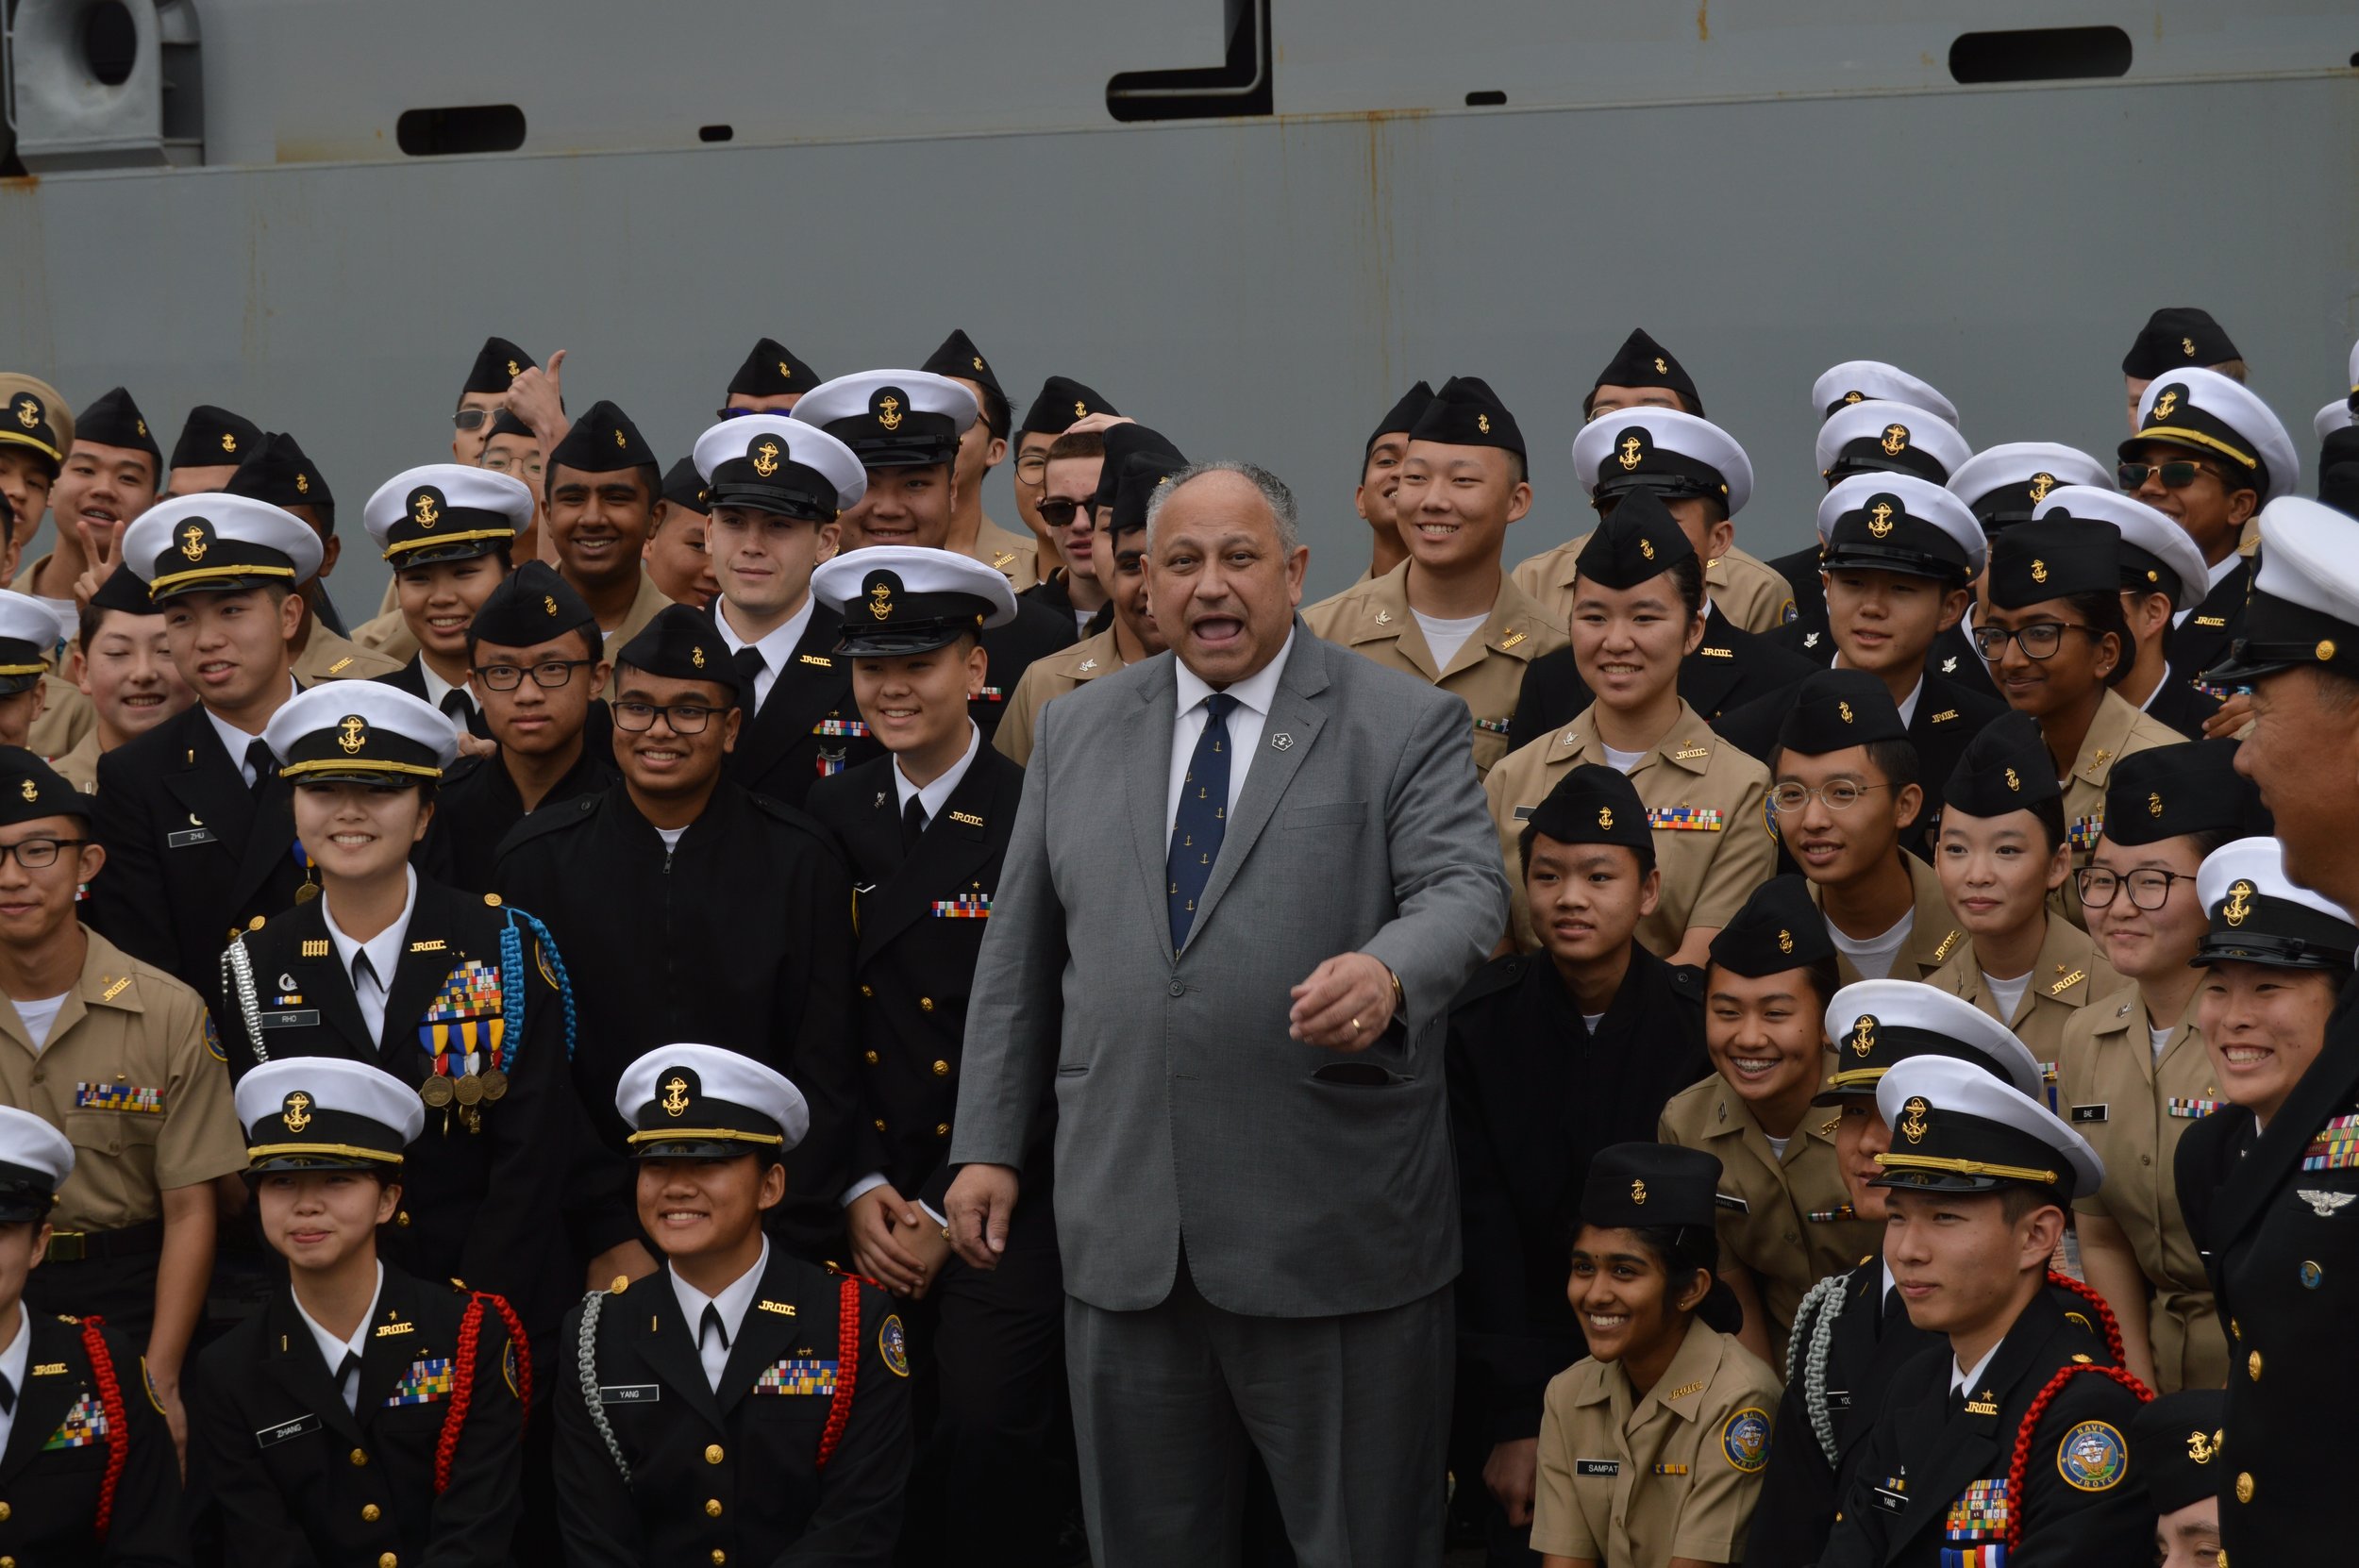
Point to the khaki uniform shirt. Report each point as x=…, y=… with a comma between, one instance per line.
x=1752, y=596
x=645, y=607
x=79, y=765
x=1788, y=1220
x=1047, y=679
x=2133, y=1109
x=1635, y=1481
x=328, y=657
x=1706, y=800
x=1374, y=620
x=388, y=634
x=2069, y=975
x=133, y=1076
x=66, y=716
x=1015, y=556
x=1931, y=938
x=2117, y=731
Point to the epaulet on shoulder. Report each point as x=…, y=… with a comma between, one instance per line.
x=1495, y=976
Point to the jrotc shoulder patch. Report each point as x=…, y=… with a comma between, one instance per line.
x=508, y=1370
x=1745, y=1440
x=2092, y=1456
x=893, y=1345
x=212, y=1041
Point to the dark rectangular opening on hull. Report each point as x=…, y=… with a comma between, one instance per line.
x=2040, y=54
x=1239, y=86
x=1485, y=100
x=474, y=129
x=716, y=133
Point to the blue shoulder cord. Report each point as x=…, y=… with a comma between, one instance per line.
x=512, y=962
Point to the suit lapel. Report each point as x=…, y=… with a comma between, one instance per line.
x=1971, y=1444
x=763, y=1336
x=1149, y=787
x=293, y=1358
x=322, y=982
x=1295, y=716
x=206, y=781
x=386, y=1358
x=1704, y=681
x=813, y=682
x=667, y=1343
x=946, y=852
x=43, y=1402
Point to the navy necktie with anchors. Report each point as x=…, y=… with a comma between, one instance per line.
x=1202, y=817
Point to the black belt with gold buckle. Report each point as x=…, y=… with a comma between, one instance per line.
x=93, y=1246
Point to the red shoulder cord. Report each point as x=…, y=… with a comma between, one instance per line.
x=102, y=1367
x=2020, y=1464
x=463, y=1378
x=846, y=1370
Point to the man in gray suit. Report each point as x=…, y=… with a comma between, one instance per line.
x=1235, y=975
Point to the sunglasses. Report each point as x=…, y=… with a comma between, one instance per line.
x=1059, y=513
x=2176, y=474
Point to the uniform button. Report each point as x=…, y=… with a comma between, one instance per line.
x=371, y=1513
x=872, y=1057
x=2252, y=1366
x=1179, y=990
x=880, y=1124
x=359, y=1457
x=713, y=1454
x=719, y=1557
x=942, y=1129
x=38, y=1074
x=3, y=1514
x=402, y=1219
x=2244, y=1486
x=942, y=1069
x=868, y=991
x=925, y=1004
x=712, y=1508
x=387, y=1560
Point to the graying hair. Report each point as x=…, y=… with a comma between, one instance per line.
x=1275, y=494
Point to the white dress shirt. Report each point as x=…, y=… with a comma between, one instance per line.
x=1254, y=696
x=934, y=796
x=15, y=1361
x=437, y=689
x=234, y=741
x=732, y=1304
x=332, y=1349
x=1963, y=1379
x=775, y=647
x=383, y=950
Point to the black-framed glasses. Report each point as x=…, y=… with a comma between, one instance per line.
x=2176, y=474
x=685, y=718
x=551, y=672
x=1058, y=512
x=2150, y=888
x=1032, y=468
x=1840, y=795
x=37, y=853
x=2039, y=640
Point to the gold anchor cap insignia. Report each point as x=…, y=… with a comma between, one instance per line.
x=1896, y=440
x=880, y=601
x=303, y=484
x=697, y=657
x=1483, y=423
x=2167, y=404
x=619, y=439
x=513, y=370
x=1659, y=368
x=425, y=508
x=1638, y=1193
x=1843, y=711
x=296, y=1111
x=1913, y=1119
x=1880, y=519
x=2014, y=781
x=2040, y=570
x=1786, y=941
x=352, y=734
x=2041, y=484
x=675, y=1096
x=1864, y=1034
x=1080, y=410
x=784, y=373
x=2202, y=1445
x=1605, y=816
x=2186, y=346
x=765, y=456
x=228, y=441
x=29, y=790
x=1633, y=453
x=889, y=411
x=2154, y=804
x=193, y=542
x=1645, y=548
x=29, y=411
x=2237, y=906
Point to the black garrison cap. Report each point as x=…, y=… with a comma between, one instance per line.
x=1837, y=708
x=1643, y=362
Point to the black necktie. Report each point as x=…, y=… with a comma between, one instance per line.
x=1892, y=1313
x=913, y=823
x=348, y=1379
x=749, y=667
x=7, y=1396
x=364, y=970
x=265, y=766
x=457, y=708
x=712, y=1325
x=1202, y=817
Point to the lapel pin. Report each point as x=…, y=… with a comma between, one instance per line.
x=1281, y=741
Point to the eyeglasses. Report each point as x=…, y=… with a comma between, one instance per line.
x=1841, y=796
x=2176, y=474
x=1058, y=512
x=551, y=672
x=36, y=854
x=2038, y=641
x=1032, y=468
x=2148, y=890
x=685, y=718
x=472, y=419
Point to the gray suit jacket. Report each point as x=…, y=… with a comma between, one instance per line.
x=1304, y=1182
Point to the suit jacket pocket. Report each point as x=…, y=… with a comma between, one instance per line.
x=1331, y=813
x=1358, y=1074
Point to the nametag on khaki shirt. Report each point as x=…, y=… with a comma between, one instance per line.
x=1607, y=1468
